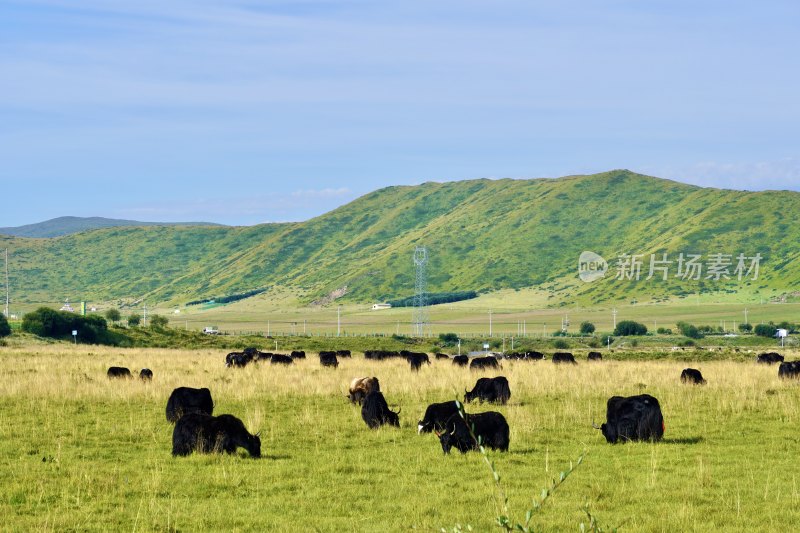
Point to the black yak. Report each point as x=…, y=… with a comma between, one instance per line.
x=118, y=372
x=436, y=415
x=789, y=370
x=145, y=374
x=328, y=359
x=563, y=357
x=440, y=355
x=280, y=359
x=770, y=358
x=375, y=411
x=416, y=360
x=494, y=390
x=461, y=360
x=202, y=433
x=595, y=356
x=185, y=400
x=360, y=387
x=693, y=376
x=479, y=363
x=298, y=354
x=633, y=418
x=490, y=428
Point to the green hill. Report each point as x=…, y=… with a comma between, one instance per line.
x=481, y=235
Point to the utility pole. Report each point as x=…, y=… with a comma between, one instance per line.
x=490, y=322
x=614, y=317
x=745, y=316
x=338, y=320
x=5, y=311
x=524, y=334
x=144, y=316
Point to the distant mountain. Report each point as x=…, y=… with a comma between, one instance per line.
x=481, y=235
x=57, y=227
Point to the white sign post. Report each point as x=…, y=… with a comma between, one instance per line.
x=75, y=335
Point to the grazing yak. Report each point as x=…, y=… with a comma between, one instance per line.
x=633, y=418
x=328, y=359
x=298, y=354
x=440, y=355
x=280, y=359
x=203, y=433
x=360, y=387
x=534, y=356
x=417, y=359
x=238, y=359
x=490, y=428
x=436, y=415
x=185, y=400
x=379, y=355
x=494, y=390
x=343, y=353
x=146, y=374
x=375, y=411
x=693, y=376
x=118, y=372
x=563, y=357
x=480, y=363
x=595, y=356
x=461, y=360
x=770, y=358
x=789, y=370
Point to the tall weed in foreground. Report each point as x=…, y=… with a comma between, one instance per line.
x=505, y=521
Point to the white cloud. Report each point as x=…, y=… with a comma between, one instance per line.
x=780, y=174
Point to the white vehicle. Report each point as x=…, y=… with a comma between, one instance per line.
x=211, y=330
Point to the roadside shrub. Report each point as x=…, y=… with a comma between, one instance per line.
x=113, y=315
x=448, y=339
x=134, y=320
x=46, y=322
x=587, y=328
x=5, y=328
x=664, y=331
x=158, y=322
x=630, y=327
x=560, y=344
x=765, y=330
x=689, y=330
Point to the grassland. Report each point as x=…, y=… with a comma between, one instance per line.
x=84, y=453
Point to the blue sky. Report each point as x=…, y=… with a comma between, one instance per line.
x=246, y=112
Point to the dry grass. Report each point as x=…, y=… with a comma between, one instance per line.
x=86, y=453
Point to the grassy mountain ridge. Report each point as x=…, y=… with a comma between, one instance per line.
x=481, y=235
x=56, y=227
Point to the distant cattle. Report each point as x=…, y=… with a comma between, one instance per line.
x=380, y=354
x=460, y=360
x=118, y=372
x=145, y=374
x=375, y=411
x=280, y=359
x=770, y=358
x=298, y=354
x=789, y=370
x=480, y=363
x=595, y=356
x=343, y=353
x=416, y=360
x=693, y=376
x=238, y=359
x=360, y=387
x=436, y=415
x=490, y=428
x=633, y=418
x=185, y=400
x=563, y=357
x=441, y=356
x=202, y=433
x=494, y=390
x=328, y=359
x=534, y=356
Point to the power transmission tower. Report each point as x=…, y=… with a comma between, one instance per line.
x=5, y=311
x=420, y=318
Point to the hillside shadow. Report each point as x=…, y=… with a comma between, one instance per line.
x=686, y=440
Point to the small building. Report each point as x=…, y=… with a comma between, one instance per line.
x=67, y=307
x=376, y=307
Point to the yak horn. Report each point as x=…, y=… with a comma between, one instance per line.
x=258, y=434
x=595, y=426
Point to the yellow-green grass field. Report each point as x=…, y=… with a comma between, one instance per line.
x=83, y=453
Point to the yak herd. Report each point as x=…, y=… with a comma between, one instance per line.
x=627, y=418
